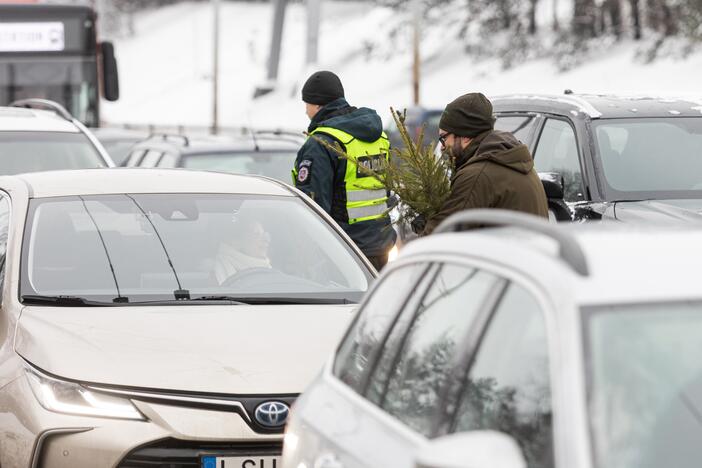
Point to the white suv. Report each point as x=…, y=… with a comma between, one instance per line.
x=537, y=345
x=40, y=135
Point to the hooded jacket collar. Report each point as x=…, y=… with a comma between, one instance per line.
x=363, y=123
x=497, y=147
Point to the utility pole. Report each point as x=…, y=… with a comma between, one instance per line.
x=215, y=68
x=416, y=13
x=313, y=15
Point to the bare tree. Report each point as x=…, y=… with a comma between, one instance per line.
x=532, y=16
x=613, y=10
x=584, y=19
x=635, y=6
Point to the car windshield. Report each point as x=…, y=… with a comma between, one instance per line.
x=154, y=247
x=645, y=384
x=46, y=151
x=275, y=164
x=649, y=158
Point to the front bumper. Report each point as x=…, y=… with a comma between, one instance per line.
x=172, y=436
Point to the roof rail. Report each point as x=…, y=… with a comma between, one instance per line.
x=166, y=136
x=44, y=104
x=568, y=248
x=278, y=132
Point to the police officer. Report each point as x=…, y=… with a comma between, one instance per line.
x=356, y=201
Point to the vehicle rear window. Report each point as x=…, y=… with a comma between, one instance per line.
x=46, y=151
x=275, y=164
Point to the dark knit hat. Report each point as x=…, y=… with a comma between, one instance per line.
x=468, y=116
x=322, y=88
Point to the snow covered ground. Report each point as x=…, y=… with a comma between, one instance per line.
x=165, y=70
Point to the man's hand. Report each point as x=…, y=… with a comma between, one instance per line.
x=418, y=224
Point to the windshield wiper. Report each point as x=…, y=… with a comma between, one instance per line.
x=272, y=300
x=70, y=301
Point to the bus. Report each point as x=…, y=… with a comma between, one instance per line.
x=50, y=51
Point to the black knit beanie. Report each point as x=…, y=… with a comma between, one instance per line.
x=468, y=116
x=322, y=88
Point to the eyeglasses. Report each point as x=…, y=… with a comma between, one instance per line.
x=442, y=138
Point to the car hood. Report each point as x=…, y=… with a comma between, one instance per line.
x=659, y=211
x=237, y=349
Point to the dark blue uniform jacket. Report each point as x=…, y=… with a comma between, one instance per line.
x=321, y=172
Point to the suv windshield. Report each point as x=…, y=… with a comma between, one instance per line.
x=651, y=157
x=275, y=164
x=645, y=384
x=160, y=247
x=46, y=151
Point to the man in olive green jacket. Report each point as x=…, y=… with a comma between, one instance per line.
x=492, y=168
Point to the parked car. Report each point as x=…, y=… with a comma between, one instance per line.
x=40, y=135
x=537, y=345
x=416, y=118
x=630, y=159
x=271, y=154
x=163, y=318
x=118, y=141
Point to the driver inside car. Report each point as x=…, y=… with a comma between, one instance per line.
x=246, y=247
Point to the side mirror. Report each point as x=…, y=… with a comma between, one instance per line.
x=553, y=185
x=476, y=449
x=110, y=78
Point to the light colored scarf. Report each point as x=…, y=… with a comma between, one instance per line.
x=230, y=260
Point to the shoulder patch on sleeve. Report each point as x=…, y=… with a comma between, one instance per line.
x=304, y=171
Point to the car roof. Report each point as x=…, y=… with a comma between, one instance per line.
x=600, y=106
x=623, y=266
x=138, y=180
x=118, y=134
x=16, y=119
x=200, y=145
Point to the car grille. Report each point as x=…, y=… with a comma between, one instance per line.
x=174, y=453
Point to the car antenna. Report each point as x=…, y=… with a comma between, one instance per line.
x=253, y=134
x=120, y=298
x=179, y=293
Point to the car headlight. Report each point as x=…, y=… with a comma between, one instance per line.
x=72, y=398
x=392, y=255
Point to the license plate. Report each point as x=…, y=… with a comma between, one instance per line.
x=253, y=461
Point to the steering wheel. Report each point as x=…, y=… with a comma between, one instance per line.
x=247, y=273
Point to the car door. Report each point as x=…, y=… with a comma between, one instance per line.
x=506, y=382
x=400, y=380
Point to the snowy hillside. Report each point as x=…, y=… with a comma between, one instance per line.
x=165, y=70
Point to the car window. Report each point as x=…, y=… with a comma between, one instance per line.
x=168, y=160
x=508, y=386
x=135, y=158
x=4, y=230
x=365, y=337
x=149, y=246
x=151, y=158
x=644, y=383
x=275, y=164
x=644, y=158
x=33, y=151
x=520, y=126
x=424, y=365
x=557, y=151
